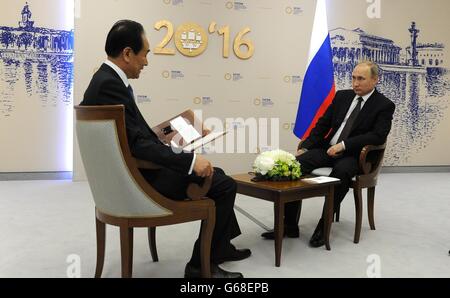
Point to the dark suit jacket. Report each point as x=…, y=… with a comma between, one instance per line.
x=371, y=127
x=107, y=88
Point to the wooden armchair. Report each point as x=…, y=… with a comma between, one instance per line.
x=370, y=161
x=123, y=197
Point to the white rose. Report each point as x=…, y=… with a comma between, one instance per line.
x=263, y=164
x=282, y=156
x=286, y=157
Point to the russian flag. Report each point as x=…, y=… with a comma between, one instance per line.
x=318, y=85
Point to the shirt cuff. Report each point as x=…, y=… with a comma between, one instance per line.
x=343, y=144
x=192, y=164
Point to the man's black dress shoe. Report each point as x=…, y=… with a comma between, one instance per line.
x=318, y=237
x=289, y=231
x=234, y=254
x=216, y=272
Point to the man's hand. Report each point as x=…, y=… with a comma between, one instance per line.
x=202, y=167
x=300, y=152
x=335, y=150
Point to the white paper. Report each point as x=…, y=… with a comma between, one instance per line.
x=187, y=131
x=320, y=179
x=189, y=134
x=179, y=123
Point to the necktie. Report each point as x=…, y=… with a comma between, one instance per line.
x=351, y=119
x=131, y=91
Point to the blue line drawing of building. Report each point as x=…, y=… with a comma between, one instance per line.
x=351, y=46
x=26, y=18
x=41, y=58
x=355, y=45
x=430, y=55
x=33, y=39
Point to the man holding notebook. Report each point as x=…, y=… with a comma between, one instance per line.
x=127, y=48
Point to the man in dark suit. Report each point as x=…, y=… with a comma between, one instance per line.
x=127, y=48
x=356, y=118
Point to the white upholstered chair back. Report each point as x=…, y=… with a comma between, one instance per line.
x=114, y=189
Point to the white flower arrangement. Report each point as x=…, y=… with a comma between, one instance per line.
x=277, y=165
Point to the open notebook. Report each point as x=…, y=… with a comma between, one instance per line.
x=185, y=131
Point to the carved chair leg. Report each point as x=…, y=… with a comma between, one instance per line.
x=207, y=228
x=357, y=192
x=100, y=229
x=370, y=206
x=126, y=248
x=152, y=243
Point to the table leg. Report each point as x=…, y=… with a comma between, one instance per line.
x=278, y=229
x=329, y=206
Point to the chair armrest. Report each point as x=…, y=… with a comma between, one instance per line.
x=366, y=166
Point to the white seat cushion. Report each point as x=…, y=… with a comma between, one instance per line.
x=322, y=171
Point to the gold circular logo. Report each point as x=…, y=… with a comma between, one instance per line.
x=257, y=101
x=166, y=1
x=229, y=5
x=191, y=39
x=289, y=10
x=287, y=79
x=228, y=76
x=165, y=74
x=197, y=100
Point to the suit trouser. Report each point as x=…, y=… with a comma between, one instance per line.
x=223, y=191
x=344, y=168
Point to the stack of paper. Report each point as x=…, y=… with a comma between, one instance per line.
x=320, y=179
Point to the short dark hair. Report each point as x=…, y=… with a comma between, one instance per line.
x=124, y=33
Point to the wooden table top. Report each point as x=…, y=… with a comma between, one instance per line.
x=279, y=186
